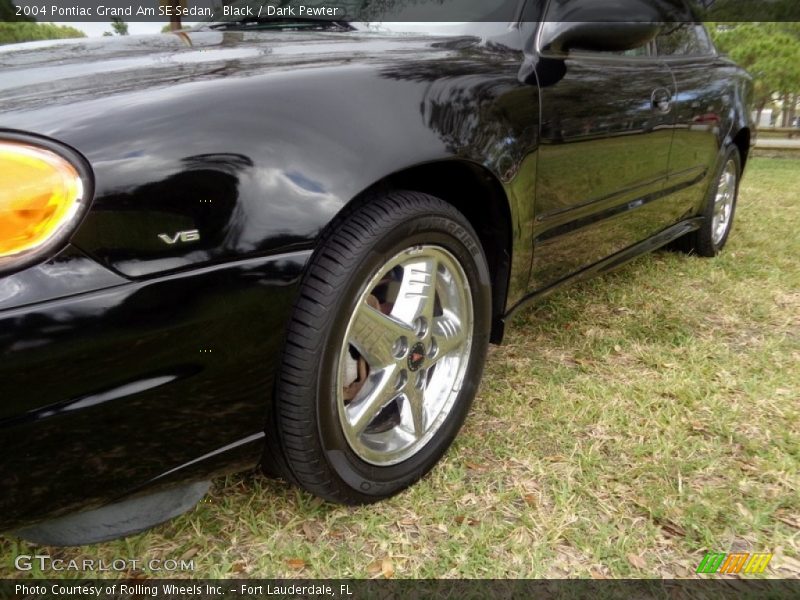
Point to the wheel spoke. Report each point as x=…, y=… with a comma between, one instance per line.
x=414, y=403
x=730, y=182
x=448, y=334
x=381, y=391
x=417, y=293
x=374, y=335
x=722, y=190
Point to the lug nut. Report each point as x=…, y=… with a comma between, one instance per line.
x=421, y=327
x=400, y=348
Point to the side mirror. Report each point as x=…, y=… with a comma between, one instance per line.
x=560, y=38
x=611, y=26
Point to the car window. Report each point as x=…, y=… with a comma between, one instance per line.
x=640, y=51
x=684, y=39
x=643, y=50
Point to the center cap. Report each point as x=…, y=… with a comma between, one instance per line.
x=416, y=357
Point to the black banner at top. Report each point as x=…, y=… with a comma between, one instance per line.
x=255, y=11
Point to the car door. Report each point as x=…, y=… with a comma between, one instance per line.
x=606, y=131
x=699, y=108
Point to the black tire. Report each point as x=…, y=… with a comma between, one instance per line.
x=314, y=449
x=702, y=241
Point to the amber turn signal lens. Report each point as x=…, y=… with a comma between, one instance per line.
x=40, y=195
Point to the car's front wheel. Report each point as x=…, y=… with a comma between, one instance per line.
x=385, y=348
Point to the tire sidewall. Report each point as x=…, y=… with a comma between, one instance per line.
x=434, y=229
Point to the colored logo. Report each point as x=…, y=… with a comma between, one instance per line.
x=737, y=562
x=416, y=357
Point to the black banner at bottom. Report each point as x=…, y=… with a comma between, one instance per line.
x=241, y=589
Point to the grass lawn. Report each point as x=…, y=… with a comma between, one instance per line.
x=629, y=425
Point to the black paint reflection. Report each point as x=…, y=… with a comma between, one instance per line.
x=481, y=110
x=70, y=272
x=118, y=387
x=126, y=225
x=602, y=163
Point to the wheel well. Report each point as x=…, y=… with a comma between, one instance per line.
x=742, y=142
x=479, y=196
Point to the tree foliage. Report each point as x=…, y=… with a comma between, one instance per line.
x=748, y=11
x=13, y=33
x=9, y=13
x=771, y=54
x=119, y=26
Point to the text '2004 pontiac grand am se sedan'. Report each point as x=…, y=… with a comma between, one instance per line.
x=290, y=242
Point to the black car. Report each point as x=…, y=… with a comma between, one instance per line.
x=290, y=242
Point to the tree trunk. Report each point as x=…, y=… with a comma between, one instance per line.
x=175, y=20
x=785, y=109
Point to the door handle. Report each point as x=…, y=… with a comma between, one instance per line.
x=661, y=99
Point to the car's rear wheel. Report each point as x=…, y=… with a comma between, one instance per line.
x=385, y=348
x=719, y=209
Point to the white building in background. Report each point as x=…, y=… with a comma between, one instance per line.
x=766, y=117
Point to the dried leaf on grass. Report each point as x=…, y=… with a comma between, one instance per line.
x=476, y=467
x=189, y=554
x=387, y=568
x=790, y=520
x=382, y=566
x=637, y=561
x=238, y=566
x=309, y=532
x=673, y=530
x=597, y=574
x=296, y=563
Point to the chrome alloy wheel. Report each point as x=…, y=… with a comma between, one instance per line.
x=404, y=355
x=723, y=203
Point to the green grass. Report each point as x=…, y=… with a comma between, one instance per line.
x=629, y=425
